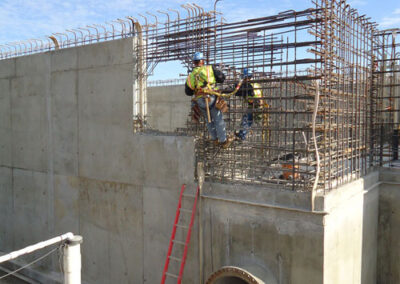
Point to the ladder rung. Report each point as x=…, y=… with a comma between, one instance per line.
x=172, y=275
x=189, y=195
x=186, y=210
x=182, y=226
x=179, y=242
x=175, y=258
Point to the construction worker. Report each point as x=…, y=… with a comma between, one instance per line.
x=202, y=78
x=252, y=93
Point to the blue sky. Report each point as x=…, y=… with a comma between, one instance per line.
x=36, y=18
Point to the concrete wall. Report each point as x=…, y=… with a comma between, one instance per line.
x=269, y=231
x=389, y=227
x=69, y=162
x=168, y=108
x=275, y=231
x=350, y=234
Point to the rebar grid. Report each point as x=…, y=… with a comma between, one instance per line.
x=345, y=81
x=385, y=96
x=314, y=69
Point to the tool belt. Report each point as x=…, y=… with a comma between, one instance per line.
x=221, y=105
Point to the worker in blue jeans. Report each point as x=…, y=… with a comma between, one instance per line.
x=252, y=93
x=201, y=78
x=216, y=127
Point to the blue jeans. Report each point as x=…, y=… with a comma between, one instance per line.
x=247, y=122
x=217, y=126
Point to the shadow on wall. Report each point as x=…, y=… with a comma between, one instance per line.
x=388, y=262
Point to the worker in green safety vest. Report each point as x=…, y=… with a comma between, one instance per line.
x=252, y=93
x=201, y=78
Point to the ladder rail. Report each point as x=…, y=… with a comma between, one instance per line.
x=171, y=242
x=188, y=237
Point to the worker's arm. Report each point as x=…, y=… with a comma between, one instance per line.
x=188, y=91
x=219, y=76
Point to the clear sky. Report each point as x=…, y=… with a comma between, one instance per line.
x=24, y=19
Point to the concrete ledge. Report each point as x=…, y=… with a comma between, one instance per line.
x=336, y=197
x=262, y=195
x=389, y=175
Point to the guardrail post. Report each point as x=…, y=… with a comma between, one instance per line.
x=72, y=260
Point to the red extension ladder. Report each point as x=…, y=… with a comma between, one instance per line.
x=178, y=224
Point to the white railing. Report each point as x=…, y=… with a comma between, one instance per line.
x=71, y=255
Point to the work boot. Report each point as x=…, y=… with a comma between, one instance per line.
x=227, y=142
x=238, y=137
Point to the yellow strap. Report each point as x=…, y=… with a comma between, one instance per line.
x=216, y=93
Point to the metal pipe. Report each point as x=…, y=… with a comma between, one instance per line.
x=32, y=248
x=72, y=260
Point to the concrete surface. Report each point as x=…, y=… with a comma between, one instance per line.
x=69, y=161
x=288, y=245
x=274, y=230
x=389, y=227
x=350, y=241
x=168, y=107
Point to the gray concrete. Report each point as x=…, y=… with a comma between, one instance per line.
x=389, y=227
x=286, y=245
x=168, y=108
x=69, y=161
x=275, y=231
x=350, y=237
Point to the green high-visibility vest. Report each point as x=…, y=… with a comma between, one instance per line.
x=257, y=92
x=201, y=76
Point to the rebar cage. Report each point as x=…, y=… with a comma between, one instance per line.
x=327, y=114
x=329, y=79
x=314, y=70
x=385, y=96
